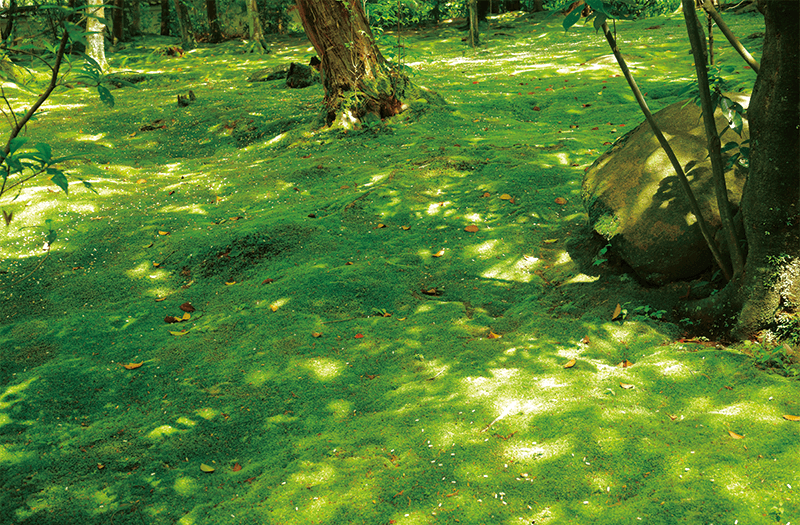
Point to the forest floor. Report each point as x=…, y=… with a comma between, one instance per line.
x=341, y=349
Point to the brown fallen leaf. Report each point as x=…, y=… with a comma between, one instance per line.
x=159, y=299
x=617, y=312
x=672, y=417
x=570, y=363
x=486, y=194
x=187, y=307
x=791, y=418
x=561, y=200
x=585, y=340
x=132, y=366
x=236, y=467
x=380, y=225
x=734, y=435
x=405, y=227
x=431, y=291
x=439, y=253
x=625, y=364
x=493, y=335
x=472, y=228
x=627, y=386
x=170, y=319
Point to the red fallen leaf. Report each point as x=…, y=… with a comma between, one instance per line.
x=748, y=67
x=250, y=480
x=306, y=156
x=236, y=467
x=587, y=105
x=561, y=200
x=475, y=82
x=472, y=228
x=595, y=128
x=267, y=281
x=606, y=143
x=359, y=336
x=536, y=108
x=530, y=92
x=187, y=307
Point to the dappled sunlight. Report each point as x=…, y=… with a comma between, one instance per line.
x=324, y=369
x=511, y=270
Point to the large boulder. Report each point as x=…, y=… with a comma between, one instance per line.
x=635, y=200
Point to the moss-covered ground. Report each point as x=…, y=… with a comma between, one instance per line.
x=354, y=355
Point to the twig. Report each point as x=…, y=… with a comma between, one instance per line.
x=709, y=7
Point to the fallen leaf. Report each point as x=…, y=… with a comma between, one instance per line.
x=100, y=466
x=316, y=334
x=159, y=299
x=561, y=200
x=625, y=364
x=132, y=366
x=505, y=197
x=182, y=332
x=230, y=283
x=371, y=376
x=617, y=312
x=170, y=319
x=431, y=291
x=405, y=227
x=585, y=340
x=141, y=181
x=187, y=307
x=236, y=467
x=627, y=386
x=486, y=194
x=273, y=307
x=734, y=435
x=381, y=225
x=267, y=281
x=208, y=469
x=672, y=417
x=791, y=418
x=493, y=335
x=570, y=363
x=439, y=253
x=186, y=316
x=550, y=241
x=359, y=336
x=471, y=228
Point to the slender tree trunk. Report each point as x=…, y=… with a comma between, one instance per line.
x=95, y=39
x=770, y=202
x=213, y=22
x=474, y=38
x=188, y=40
x=257, y=42
x=165, y=18
x=136, y=18
x=537, y=6
x=118, y=18
x=358, y=80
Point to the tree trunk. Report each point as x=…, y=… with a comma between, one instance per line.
x=136, y=18
x=474, y=38
x=770, y=202
x=165, y=18
x=538, y=6
x=117, y=21
x=257, y=42
x=95, y=39
x=358, y=81
x=188, y=40
x=213, y=22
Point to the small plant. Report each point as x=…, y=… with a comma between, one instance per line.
x=781, y=359
x=600, y=259
x=644, y=311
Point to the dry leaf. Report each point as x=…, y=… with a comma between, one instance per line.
x=486, y=194
x=626, y=386
x=182, y=332
x=267, y=281
x=187, y=307
x=159, y=299
x=230, y=283
x=7, y=217
x=405, y=227
x=163, y=233
x=359, y=336
x=625, y=364
x=431, y=291
x=734, y=435
x=505, y=197
x=472, y=228
x=170, y=319
x=141, y=181
x=550, y=241
x=585, y=340
x=570, y=363
x=439, y=253
x=493, y=335
x=186, y=317
x=617, y=312
x=236, y=467
x=791, y=418
x=208, y=469
x=381, y=225
x=132, y=366
x=316, y=334
x=672, y=417
x=273, y=307
x=561, y=200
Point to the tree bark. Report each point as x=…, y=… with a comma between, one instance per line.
x=136, y=18
x=474, y=38
x=215, y=32
x=117, y=21
x=259, y=45
x=95, y=38
x=770, y=202
x=188, y=40
x=358, y=80
x=165, y=18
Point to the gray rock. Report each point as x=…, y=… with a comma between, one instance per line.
x=634, y=199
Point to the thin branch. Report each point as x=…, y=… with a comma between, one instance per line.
x=717, y=170
x=730, y=36
x=701, y=222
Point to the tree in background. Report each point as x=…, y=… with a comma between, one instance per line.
x=165, y=18
x=95, y=28
x=257, y=42
x=188, y=40
x=215, y=32
x=358, y=80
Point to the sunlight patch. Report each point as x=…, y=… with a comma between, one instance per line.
x=324, y=368
x=162, y=431
x=185, y=486
x=518, y=271
x=207, y=413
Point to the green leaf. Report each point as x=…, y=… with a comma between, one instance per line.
x=729, y=146
x=58, y=178
x=599, y=20
x=105, y=96
x=88, y=185
x=46, y=153
x=571, y=19
x=76, y=34
x=736, y=123
x=16, y=143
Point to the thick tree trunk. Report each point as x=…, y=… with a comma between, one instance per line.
x=165, y=18
x=215, y=31
x=358, y=80
x=257, y=42
x=771, y=197
x=188, y=40
x=95, y=39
